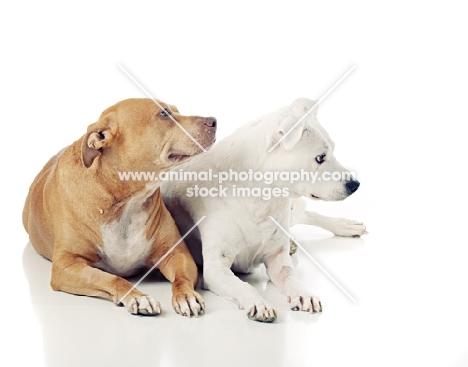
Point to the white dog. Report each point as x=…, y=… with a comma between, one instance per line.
x=238, y=234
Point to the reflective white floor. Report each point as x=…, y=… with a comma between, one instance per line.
x=395, y=320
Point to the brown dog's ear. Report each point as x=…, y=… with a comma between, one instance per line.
x=92, y=144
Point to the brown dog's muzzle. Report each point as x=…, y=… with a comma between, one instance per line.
x=207, y=131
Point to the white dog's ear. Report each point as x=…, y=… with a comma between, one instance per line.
x=289, y=133
x=292, y=126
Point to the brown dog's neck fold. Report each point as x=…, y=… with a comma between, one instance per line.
x=115, y=192
x=145, y=195
x=120, y=193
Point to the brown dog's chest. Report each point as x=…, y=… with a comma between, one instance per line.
x=125, y=244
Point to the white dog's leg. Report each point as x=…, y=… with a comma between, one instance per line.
x=280, y=270
x=337, y=226
x=219, y=278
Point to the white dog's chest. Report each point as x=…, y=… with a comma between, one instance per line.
x=256, y=245
x=246, y=262
x=125, y=247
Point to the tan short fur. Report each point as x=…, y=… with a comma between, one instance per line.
x=80, y=215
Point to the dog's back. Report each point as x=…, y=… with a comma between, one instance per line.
x=34, y=218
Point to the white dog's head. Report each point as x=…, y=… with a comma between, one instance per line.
x=307, y=146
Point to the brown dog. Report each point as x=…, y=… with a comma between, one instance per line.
x=80, y=215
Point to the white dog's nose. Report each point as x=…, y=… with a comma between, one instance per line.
x=352, y=186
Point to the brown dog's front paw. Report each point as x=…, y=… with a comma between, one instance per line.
x=188, y=303
x=142, y=305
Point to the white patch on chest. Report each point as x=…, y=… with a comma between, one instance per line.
x=125, y=247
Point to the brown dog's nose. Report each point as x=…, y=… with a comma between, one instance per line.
x=210, y=121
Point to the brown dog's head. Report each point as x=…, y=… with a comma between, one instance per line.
x=141, y=135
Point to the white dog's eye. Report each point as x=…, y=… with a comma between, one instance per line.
x=320, y=158
x=165, y=113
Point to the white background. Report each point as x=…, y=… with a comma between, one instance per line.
x=398, y=120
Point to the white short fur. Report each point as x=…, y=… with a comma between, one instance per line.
x=237, y=233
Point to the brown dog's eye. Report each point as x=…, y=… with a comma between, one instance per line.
x=165, y=113
x=320, y=158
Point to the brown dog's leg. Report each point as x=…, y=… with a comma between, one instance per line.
x=72, y=274
x=174, y=261
x=180, y=269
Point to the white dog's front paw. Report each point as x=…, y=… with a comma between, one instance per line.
x=142, y=305
x=348, y=228
x=310, y=304
x=262, y=312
